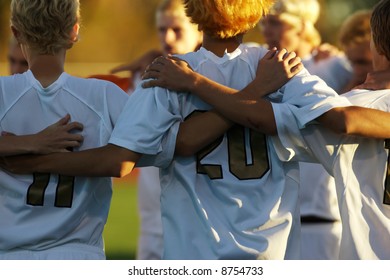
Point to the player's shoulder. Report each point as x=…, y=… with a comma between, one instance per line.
x=17, y=84
x=95, y=85
x=378, y=99
x=253, y=48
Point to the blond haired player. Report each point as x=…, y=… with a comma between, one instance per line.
x=360, y=165
x=50, y=216
x=291, y=25
x=354, y=37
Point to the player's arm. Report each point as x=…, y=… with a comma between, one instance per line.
x=139, y=64
x=199, y=130
x=245, y=107
x=106, y=161
x=359, y=121
x=57, y=137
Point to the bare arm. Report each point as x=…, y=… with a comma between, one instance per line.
x=58, y=137
x=138, y=65
x=245, y=107
x=358, y=121
x=106, y=161
x=199, y=130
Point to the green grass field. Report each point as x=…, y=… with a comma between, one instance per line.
x=121, y=232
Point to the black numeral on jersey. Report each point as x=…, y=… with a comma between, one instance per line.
x=238, y=161
x=64, y=193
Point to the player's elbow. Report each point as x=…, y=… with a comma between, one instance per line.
x=121, y=169
x=263, y=125
x=261, y=117
x=340, y=120
x=119, y=161
x=184, y=148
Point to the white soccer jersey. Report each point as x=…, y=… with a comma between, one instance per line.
x=318, y=199
x=235, y=199
x=359, y=166
x=318, y=193
x=150, y=241
x=336, y=71
x=48, y=212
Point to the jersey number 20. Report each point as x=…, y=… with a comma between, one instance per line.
x=238, y=161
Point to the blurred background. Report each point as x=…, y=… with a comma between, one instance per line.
x=114, y=32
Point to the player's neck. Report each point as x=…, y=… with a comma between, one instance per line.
x=47, y=68
x=219, y=46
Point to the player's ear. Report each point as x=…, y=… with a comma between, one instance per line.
x=301, y=27
x=75, y=32
x=16, y=33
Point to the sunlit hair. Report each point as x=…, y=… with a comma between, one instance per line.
x=46, y=25
x=171, y=7
x=356, y=29
x=301, y=15
x=226, y=18
x=380, y=27
x=304, y=10
x=311, y=35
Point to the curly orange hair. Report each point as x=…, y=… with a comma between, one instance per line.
x=226, y=18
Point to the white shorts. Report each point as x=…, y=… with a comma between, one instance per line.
x=150, y=246
x=320, y=241
x=65, y=252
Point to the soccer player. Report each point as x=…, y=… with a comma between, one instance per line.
x=50, y=216
x=291, y=25
x=354, y=37
x=357, y=163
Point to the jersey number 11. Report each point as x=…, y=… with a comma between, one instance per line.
x=64, y=190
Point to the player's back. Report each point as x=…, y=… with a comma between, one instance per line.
x=226, y=201
x=359, y=166
x=45, y=211
x=367, y=189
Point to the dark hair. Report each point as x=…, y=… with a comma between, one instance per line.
x=380, y=27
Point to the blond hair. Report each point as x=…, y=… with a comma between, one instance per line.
x=380, y=26
x=303, y=10
x=45, y=25
x=356, y=29
x=226, y=18
x=175, y=7
x=300, y=14
x=311, y=35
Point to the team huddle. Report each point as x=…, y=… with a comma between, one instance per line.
x=230, y=128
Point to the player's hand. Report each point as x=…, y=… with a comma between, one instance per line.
x=169, y=72
x=276, y=68
x=325, y=51
x=376, y=81
x=58, y=137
